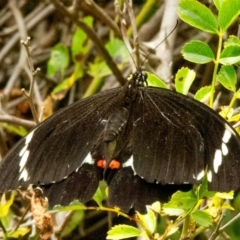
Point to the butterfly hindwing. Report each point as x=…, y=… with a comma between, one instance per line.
x=79, y=185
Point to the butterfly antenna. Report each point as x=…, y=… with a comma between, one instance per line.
x=135, y=32
x=123, y=30
x=159, y=44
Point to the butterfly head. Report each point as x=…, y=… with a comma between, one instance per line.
x=139, y=78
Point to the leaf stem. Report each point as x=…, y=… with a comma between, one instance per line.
x=216, y=64
x=185, y=227
x=230, y=105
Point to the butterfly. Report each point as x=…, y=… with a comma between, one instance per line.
x=145, y=142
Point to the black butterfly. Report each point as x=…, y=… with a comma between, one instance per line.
x=146, y=142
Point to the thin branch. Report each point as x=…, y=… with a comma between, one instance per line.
x=135, y=33
x=230, y=222
x=17, y=121
x=169, y=21
x=91, y=34
x=216, y=230
x=93, y=9
x=32, y=80
x=29, y=25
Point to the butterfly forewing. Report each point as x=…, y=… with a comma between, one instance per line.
x=59, y=145
x=176, y=138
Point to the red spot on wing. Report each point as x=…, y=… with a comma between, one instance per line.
x=114, y=164
x=101, y=163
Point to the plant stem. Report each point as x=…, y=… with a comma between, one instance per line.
x=216, y=64
x=185, y=227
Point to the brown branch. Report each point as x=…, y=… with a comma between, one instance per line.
x=91, y=34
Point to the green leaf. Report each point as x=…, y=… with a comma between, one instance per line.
x=184, y=79
x=227, y=77
x=232, y=40
x=117, y=50
x=80, y=44
x=72, y=223
x=63, y=87
x=218, y=3
x=19, y=130
x=198, y=52
x=149, y=220
x=180, y=202
x=98, y=197
x=230, y=55
x=202, y=218
x=203, y=189
x=203, y=94
x=155, y=81
x=225, y=195
x=122, y=232
x=75, y=205
x=197, y=15
x=19, y=233
x=228, y=13
x=5, y=204
x=59, y=60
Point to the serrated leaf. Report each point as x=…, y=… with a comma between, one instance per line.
x=123, y=231
x=59, y=60
x=227, y=77
x=149, y=220
x=203, y=94
x=232, y=40
x=203, y=189
x=197, y=52
x=229, y=11
x=230, y=55
x=197, y=15
x=184, y=79
x=180, y=202
x=155, y=81
x=225, y=195
x=202, y=218
x=173, y=211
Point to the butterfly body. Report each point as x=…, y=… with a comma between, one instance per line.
x=145, y=142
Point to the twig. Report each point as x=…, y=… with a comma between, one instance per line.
x=216, y=230
x=29, y=25
x=17, y=121
x=91, y=34
x=135, y=33
x=22, y=59
x=168, y=23
x=3, y=145
x=29, y=95
x=229, y=223
x=98, y=13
